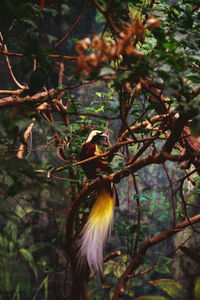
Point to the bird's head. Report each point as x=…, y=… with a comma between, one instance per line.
x=95, y=136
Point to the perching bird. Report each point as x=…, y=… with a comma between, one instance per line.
x=100, y=220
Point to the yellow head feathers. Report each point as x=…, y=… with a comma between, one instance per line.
x=95, y=133
x=92, y=134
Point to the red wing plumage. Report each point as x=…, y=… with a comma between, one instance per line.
x=91, y=168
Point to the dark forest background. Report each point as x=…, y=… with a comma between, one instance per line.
x=127, y=68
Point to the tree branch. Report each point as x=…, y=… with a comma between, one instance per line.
x=55, y=56
x=9, y=65
x=111, y=255
x=26, y=136
x=73, y=26
x=15, y=100
x=176, y=131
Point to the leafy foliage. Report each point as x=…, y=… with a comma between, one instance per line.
x=172, y=288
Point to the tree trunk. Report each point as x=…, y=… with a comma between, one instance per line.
x=80, y=279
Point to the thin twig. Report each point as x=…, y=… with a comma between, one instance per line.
x=61, y=178
x=111, y=255
x=105, y=12
x=185, y=207
x=172, y=194
x=9, y=65
x=53, y=171
x=138, y=211
x=56, y=56
x=26, y=214
x=73, y=26
x=186, y=176
x=142, y=272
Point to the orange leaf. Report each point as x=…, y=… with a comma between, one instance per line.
x=152, y=23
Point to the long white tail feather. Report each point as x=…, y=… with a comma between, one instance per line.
x=96, y=230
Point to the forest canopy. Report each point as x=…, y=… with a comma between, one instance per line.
x=131, y=71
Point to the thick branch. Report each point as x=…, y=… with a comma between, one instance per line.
x=15, y=100
x=176, y=132
x=114, y=149
x=157, y=158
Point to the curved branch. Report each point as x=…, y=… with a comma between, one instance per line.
x=73, y=26
x=147, y=124
x=111, y=255
x=9, y=66
x=26, y=136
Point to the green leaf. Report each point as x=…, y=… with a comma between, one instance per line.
x=60, y=220
x=119, y=270
x=197, y=289
x=171, y=287
x=165, y=260
x=98, y=94
x=29, y=258
x=195, y=126
x=16, y=295
x=129, y=291
x=109, y=267
x=194, y=78
x=50, y=11
x=162, y=269
x=45, y=284
x=31, y=23
x=162, y=265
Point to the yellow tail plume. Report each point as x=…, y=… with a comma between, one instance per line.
x=96, y=230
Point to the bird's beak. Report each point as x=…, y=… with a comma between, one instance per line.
x=104, y=135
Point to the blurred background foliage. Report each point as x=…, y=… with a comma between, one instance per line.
x=34, y=199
